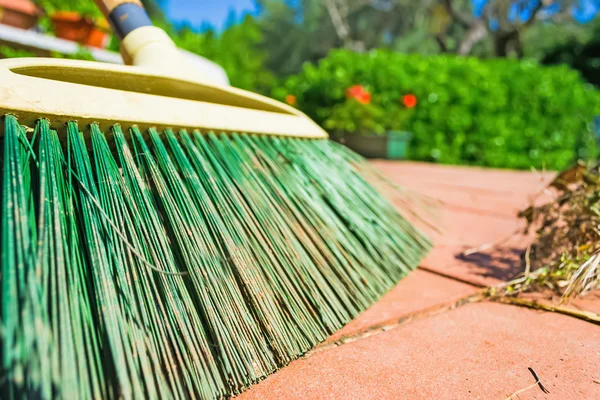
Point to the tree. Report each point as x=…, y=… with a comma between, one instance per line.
x=504, y=21
x=580, y=54
x=236, y=49
x=294, y=32
x=154, y=8
x=305, y=30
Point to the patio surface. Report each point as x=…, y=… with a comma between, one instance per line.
x=428, y=338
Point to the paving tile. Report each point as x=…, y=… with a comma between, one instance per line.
x=418, y=291
x=486, y=268
x=477, y=210
x=495, y=192
x=458, y=199
x=470, y=229
x=589, y=302
x=465, y=230
x=478, y=178
x=478, y=351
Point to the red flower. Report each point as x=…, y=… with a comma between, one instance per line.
x=409, y=100
x=290, y=99
x=358, y=93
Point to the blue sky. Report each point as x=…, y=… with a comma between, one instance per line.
x=216, y=11
x=213, y=11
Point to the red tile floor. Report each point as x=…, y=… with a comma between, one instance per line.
x=423, y=340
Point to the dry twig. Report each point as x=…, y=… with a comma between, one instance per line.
x=537, y=382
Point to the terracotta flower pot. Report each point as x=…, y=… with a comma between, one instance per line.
x=22, y=14
x=72, y=26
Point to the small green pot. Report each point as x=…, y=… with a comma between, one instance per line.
x=391, y=146
x=398, y=142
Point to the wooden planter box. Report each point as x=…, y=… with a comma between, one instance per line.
x=73, y=26
x=391, y=146
x=22, y=14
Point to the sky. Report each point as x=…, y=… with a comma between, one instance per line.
x=213, y=11
x=216, y=12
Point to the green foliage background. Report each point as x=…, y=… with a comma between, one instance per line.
x=497, y=113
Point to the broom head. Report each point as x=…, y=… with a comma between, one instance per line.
x=61, y=90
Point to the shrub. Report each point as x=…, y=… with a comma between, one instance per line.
x=498, y=113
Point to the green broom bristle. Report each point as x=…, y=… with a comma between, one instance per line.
x=182, y=264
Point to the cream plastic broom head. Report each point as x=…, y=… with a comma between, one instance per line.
x=158, y=89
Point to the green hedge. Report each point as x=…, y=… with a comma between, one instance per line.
x=498, y=113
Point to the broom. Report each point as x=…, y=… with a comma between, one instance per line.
x=151, y=251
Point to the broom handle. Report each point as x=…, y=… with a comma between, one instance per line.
x=142, y=44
